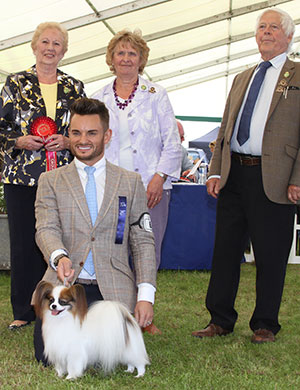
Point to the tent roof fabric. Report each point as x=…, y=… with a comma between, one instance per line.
x=191, y=41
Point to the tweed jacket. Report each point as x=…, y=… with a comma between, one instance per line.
x=153, y=131
x=21, y=102
x=63, y=222
x=281, y=139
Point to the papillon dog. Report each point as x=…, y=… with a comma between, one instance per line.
x=76, y=337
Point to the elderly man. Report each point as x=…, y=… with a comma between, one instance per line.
x=255, y=173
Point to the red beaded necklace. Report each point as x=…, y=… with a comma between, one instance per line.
x=130, y=97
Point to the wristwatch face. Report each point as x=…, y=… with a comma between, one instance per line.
x=161, y=175
x=56, y=260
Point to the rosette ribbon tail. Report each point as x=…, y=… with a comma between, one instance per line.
x=51, y=160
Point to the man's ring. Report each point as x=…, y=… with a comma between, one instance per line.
x=57, y=146
x=149, y=323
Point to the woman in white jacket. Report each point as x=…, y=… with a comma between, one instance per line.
x=145, y=138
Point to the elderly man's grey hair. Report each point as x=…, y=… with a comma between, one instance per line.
x=287, y=23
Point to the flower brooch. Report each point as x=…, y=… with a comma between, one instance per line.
x=151, y=89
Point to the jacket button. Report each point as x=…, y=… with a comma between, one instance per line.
x=93, y=239
x=81, y=264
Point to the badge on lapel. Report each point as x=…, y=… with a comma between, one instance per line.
x=121, y=219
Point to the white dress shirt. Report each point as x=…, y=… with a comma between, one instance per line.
x=253, y=145
x=146, y=292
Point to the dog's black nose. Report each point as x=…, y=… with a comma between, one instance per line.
x=53, y=307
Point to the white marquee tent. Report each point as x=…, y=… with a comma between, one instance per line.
x=191, y=41
x=196, y=46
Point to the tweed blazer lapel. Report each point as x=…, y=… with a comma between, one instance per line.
x=74, y=184
x=112, y=183
x=286, y=74
x=240, y=92
x=236, y=100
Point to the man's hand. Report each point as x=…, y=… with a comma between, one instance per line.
x=293, y=193
x=155, y=190
x=213, y=187
x=65, y=273
x=143, y=313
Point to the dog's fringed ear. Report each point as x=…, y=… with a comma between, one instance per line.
x=42, y=291
x=78, y=294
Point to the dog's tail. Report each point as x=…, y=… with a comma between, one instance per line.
x=114, y=329
x=127, y=322
x=135, y=352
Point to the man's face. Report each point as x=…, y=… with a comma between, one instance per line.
x=87, y=138
x=270, y=37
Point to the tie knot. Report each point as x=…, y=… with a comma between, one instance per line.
x=90, y=170
x=265, y=65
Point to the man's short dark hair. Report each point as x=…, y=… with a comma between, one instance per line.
x=86, y=106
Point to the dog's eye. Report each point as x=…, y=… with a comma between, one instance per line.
x=62, y=302
x=51, y=300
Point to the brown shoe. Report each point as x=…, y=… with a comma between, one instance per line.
x=151, y=329
x=262, y=336
x=211, y=330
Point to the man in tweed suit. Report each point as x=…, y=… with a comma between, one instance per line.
x=257, y=183
x=65, y=232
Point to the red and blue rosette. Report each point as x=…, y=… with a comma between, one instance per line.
x=44, y=127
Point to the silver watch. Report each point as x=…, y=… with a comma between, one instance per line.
x=163, y=175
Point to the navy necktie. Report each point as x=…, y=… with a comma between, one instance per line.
x=244, y=126
x=91, y=198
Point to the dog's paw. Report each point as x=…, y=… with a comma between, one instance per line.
x=71, y=377
x=141, y=371
x=140, y=375
x=60, y=372
x=130, y=369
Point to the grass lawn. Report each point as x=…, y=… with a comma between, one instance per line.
x=178, y=361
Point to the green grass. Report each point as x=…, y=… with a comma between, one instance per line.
x=178, y=361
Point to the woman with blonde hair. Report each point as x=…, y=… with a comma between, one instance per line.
x=34, y=119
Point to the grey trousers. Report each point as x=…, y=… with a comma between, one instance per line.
x=159, y=217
